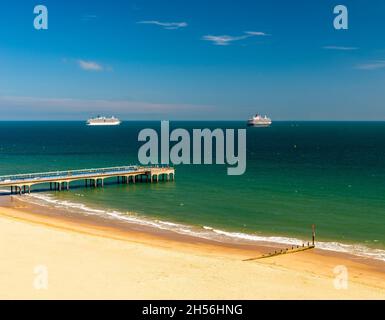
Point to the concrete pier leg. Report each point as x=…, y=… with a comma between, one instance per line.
x=29, y=189
x=60, y=186
x=102, y=182
x=95, y=183
x=133, y=179
x=68, y=185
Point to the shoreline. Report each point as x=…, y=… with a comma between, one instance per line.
x=183, y=232
x=314, y=264
x=52, y=216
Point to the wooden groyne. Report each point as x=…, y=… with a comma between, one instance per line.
x=60, y=180
x=292, y=249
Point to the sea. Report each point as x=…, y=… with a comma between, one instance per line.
x=330, y=174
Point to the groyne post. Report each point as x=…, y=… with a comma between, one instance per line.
x=313, y=234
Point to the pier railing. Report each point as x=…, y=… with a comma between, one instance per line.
x=66, y=174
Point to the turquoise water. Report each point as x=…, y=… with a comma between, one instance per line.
x=298, y=173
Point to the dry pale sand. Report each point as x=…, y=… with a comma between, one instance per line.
x=88, y=262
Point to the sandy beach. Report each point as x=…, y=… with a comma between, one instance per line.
x=45, y=256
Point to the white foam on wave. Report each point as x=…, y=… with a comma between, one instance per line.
x=205, y=232
x=168, y=223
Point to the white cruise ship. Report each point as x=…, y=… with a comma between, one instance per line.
x=259, y=121
x=103, y=121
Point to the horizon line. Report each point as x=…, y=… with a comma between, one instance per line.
x=185, y=120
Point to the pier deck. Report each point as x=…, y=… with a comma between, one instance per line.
x=59, y=180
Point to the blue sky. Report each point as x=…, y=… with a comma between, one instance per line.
x=158, y=59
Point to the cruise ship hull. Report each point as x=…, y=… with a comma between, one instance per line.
x=258, y=124
x=103, y=123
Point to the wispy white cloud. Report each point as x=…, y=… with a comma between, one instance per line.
x=166, y=25
x=374, y=65
x=225, y=40
x=90, y=65
x=341, y=48
x=257, y=33
x=35, y=107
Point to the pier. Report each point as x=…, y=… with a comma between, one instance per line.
x=60, y=180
